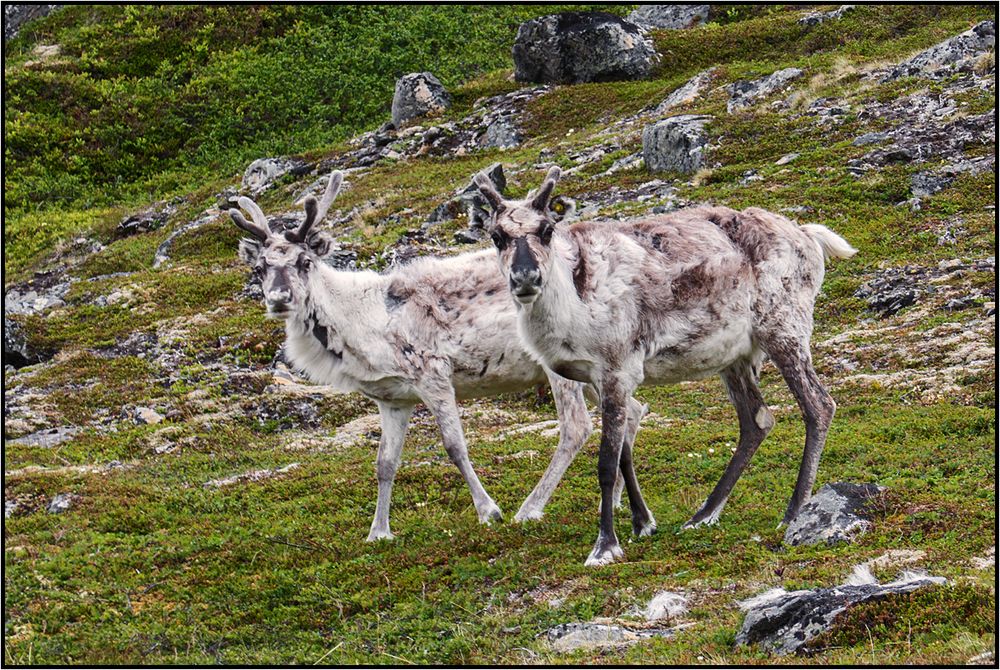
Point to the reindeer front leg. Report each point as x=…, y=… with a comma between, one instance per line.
x=614, y=400
x=574, y=429
x=441, y=402
x=395, y=420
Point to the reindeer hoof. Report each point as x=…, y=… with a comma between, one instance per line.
x=645, y=529
x=604, y=554
x=490, y=515
x=376, y=535
x=528, y=515
x=700, y=519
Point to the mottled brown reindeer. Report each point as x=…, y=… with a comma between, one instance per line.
x=665, y=298
x=436, y=330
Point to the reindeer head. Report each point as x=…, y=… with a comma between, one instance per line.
x=283, y=260
x=522, y=232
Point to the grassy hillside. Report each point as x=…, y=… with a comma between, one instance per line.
x=154, y=563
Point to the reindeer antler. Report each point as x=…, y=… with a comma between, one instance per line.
x=259, y=227
x=315, y=211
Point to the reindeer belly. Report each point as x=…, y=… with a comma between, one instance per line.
x=699, y=358
x=510, y=371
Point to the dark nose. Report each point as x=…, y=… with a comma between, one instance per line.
x=525, y=277
x=525, y=282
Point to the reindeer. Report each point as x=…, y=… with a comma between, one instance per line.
x=435, y=331
x=665, y=298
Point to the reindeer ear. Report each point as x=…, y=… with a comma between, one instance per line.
x=249, y=251
x=488, y=191
x=540, y=202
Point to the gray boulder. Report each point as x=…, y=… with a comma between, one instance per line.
x=263, y=172
x=785, y=622
x=745, y=92
x=676, y=144
x=418, y=94
x=578, y=47
x=835, y=514
x=957, y=53
x=672, y=17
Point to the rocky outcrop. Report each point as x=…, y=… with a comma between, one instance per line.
x=593, y=635
x=670, y=17
x=16, y=15
x=785, y=622
x=892, y=289
x=37, y=296
x=578, y=47
x=958, y=53
x=745, y=92
x=676, y=144
x=816, y=18
x=145, y=221
x=837, y=513
x=687, y=93
x=417, y=95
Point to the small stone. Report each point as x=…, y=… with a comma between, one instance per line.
x=786, y=159
x=62, y=503
x=147, y=416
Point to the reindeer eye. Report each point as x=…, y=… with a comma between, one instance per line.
x=500, y=239
x=545, y=232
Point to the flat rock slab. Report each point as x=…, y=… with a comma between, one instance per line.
x=572, y=636
x=785, y=622
x=579, y=47
x=745, y=92
x=47, y=438
x=835, y=514
x=669, y=17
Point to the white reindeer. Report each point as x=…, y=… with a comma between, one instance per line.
x=434, y=331
x=661, y=299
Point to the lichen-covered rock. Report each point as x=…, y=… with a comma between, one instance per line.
x=746, y=92
x=835, y=514
x=263, y=172
x=675, y=144
x=62, y=503
x=592, y=635
x=785, y=622
x=956, y=53
x=417, y=95
x=578, y=47
x=688, y=92
x=671, y=17
x=816, y=18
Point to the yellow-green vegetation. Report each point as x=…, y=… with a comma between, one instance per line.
x=155, y=564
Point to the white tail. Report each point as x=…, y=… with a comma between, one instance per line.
x=832, y=244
